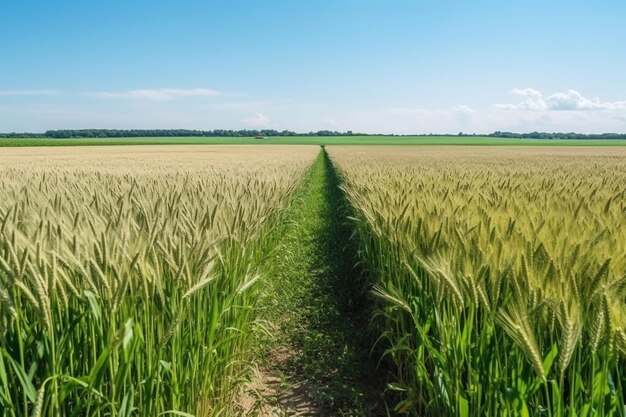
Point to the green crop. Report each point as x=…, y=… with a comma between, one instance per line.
x=132, y=279
x=128, y=276
x=500, y=276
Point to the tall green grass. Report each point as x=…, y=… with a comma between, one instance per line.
x=500, y=276
x=128, y=280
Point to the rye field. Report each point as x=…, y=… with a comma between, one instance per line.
x=219, y=280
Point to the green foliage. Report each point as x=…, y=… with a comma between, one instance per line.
x=155, y=133
x=128, y=281
x=499, y=275
x=559, y=135
x=247, y=133
x=317, y=303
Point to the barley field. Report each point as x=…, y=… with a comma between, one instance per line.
x=129, y=275
x=499, y=275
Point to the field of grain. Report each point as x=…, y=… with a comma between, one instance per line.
x=499, y=274
x=157, y=280
x=128, y=275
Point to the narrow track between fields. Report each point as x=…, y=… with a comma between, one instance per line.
x=318, y=361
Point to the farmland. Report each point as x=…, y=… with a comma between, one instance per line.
x=499, y=274
x=128, y=277
x=352, y=280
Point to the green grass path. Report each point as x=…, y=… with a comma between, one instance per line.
x=318, y=303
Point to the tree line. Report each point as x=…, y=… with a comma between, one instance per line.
x=141, y=133
x=558, y=135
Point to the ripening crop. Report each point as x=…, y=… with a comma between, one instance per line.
x=128, y=276
x=500, y=275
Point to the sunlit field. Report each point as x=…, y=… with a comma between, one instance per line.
x=499, y=275
x=224, y=280
x=128, y=276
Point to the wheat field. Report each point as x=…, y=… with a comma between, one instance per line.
x=134, y=281
x=129, y=275
x=500, y=275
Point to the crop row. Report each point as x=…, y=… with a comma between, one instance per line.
x=500, y=276
x=128, y=277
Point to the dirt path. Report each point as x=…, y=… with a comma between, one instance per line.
x=318, y=361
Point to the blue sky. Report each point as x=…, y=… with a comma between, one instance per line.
x=369, y=65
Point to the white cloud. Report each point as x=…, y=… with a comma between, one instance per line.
x=533, y=100
x=573, y=100
x=535, y=111
x=561, y=101
x=8, y=93
x=259, y=120
x=158, y=94
x=463, y=109
x=529, y=92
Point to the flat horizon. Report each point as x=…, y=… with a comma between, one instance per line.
x=396, y=67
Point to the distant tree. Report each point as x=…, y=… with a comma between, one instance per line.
x=135, y=133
